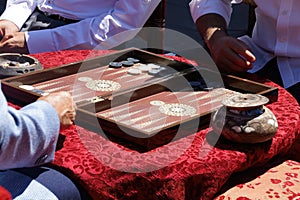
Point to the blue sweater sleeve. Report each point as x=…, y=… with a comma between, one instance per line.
x=28, y=136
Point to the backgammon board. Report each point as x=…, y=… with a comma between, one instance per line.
x=134, y=95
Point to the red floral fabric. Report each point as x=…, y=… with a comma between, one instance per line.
x=279, y=182
x=192, y=167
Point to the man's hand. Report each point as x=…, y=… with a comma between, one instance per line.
x=64, y=106
x=14, y=43
x=230, y=54
x=7, y=27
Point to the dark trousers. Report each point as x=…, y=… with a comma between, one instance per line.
x=19, y=182
x=271, y=72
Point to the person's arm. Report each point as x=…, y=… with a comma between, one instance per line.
x=28, y=136
x=104, y=31
x=229, y=53
x=211, y=27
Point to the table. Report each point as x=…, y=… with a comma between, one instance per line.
x=192, y=167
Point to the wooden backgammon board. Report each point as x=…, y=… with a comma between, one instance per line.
x=136, y=96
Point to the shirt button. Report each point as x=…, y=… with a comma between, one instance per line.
x=284, y=12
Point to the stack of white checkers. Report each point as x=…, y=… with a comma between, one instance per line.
x=150, y=68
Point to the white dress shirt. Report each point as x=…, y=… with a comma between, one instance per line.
x=100, y=20
x=276, y=33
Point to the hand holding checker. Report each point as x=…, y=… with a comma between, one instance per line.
x=64, y=106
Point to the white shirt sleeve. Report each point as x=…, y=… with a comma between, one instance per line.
x=102, y=32
x=202, y=7
x=24, y=8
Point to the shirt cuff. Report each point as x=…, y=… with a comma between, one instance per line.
x=40, y=41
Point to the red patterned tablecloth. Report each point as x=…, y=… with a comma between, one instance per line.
x=192, y=167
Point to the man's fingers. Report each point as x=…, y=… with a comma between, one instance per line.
x=6, y=37
x=64, y=106
x=241, y=55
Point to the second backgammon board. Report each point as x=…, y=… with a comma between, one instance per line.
x=136, y=96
